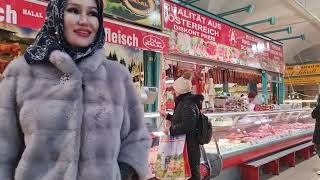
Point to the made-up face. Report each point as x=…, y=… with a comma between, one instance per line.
x=81, y=22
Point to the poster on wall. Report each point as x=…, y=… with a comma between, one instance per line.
x=15, y=43
x=194, y=34
x=145, y=12
x=132, y=58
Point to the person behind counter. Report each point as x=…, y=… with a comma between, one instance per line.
x=316, y=135
x=184, y=120
x=251, y=96
x=65, y=111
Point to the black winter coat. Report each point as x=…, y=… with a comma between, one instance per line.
x=316, y=115
x=184, y=121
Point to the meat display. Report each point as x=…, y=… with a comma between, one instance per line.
x=241, y=139
x=221, y=75
x=270, y=131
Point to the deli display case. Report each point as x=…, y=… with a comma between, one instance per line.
x=239, y=137
x=242, y=136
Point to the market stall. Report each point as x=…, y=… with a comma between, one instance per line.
x=228, y=61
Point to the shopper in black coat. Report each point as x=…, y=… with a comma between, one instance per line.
x=316, y=135
x=184, y=121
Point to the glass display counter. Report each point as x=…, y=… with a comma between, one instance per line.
x=236, y=133
x=241, y=136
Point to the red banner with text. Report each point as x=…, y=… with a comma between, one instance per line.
x=199, y=35
x=22, y=13
x=123, y=34
x=32, y=15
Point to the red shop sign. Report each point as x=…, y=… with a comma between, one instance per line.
x=199, y=35
x=22, y=13
x=32, y=15
x=127, y=35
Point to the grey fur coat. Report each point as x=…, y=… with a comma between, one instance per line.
x=63, y=121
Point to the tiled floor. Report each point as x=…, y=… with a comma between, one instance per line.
x=304, y=170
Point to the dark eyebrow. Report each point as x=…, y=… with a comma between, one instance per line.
x=73, y=4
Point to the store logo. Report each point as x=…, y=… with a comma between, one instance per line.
x=232, y=37
x=8, y=15
x=153, y=42
x=140, y=7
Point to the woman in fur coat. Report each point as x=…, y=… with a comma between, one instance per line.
x=66, y=113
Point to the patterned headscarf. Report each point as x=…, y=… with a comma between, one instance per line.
x=51, y=36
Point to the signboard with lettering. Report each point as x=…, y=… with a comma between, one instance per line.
x=145, y=12
x=302, y=70
x=126, y=35
x=22, y=13
x=32, y=15
x=302, y=80
x=195, y=34
x=302, y=74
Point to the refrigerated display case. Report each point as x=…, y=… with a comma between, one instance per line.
x=243, y=136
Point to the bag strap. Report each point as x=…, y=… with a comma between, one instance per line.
x=217, y=147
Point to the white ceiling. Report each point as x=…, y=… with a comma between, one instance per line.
x=287, y=13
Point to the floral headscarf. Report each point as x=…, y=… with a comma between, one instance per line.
x=51, y=36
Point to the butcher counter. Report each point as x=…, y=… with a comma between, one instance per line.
x=240, y=137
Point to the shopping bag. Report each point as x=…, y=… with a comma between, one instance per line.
x=153, y=154
x=172, y=161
